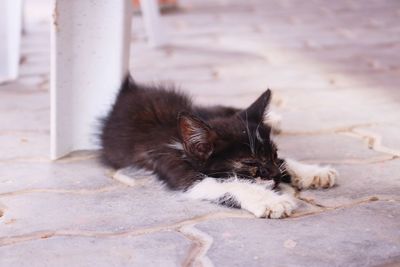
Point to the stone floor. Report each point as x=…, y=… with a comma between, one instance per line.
x=334, y=67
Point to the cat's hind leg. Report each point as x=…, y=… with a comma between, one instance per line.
x=305, y=176
x=131, y=175
x=255, y=198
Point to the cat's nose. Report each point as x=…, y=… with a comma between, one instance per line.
x=263, y=173
x=275, y=174
x=269, y=174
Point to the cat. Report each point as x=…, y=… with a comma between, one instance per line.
x=220, y=154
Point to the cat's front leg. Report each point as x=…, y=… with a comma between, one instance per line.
x=310, y=175
x=255, y=198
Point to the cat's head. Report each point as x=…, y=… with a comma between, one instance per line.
x=239, y=145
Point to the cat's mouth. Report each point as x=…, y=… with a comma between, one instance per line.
x=272, y=182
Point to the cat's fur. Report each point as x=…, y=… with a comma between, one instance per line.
x=213, y=153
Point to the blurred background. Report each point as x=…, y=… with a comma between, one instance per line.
x=335, y=63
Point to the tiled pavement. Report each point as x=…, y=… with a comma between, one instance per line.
x=334, y=68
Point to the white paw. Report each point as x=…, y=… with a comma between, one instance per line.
x=274, y=207
x=314, y=176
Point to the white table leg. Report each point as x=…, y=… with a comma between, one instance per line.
x=152, y=23
x=10, y=38
x=89, y=58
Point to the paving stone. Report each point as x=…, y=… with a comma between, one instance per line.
x=347, y=97
x=19, y=88
x=28, y=145
x=114, y=210
x=356, y=60
x=34, y=69
x=324, y=148
x=21, y=120
x=389, y=134
x=37, y=83
x=349, y=237
x=233, y=100
x=13, y=100
x=330, y=109
x=44, y=174
x=158, y=249
x=361, y=181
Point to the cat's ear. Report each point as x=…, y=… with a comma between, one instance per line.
x=255, y=112
x=197, y=136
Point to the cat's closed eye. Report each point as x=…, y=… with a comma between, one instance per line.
x=250, y=162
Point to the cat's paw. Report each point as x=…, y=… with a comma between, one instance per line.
x=315, y=176
x=279, y=206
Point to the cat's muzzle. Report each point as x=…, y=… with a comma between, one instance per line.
x=272, y=182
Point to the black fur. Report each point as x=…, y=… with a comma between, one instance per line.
x=217, y=141
x=229, y=201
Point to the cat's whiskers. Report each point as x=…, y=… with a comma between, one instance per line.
x=251, y=141
x=229, y=173
x=283, y=167
x=257, y=134
x=232, y=175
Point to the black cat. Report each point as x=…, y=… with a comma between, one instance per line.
x=221, y=154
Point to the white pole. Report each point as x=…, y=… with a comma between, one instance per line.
x=152, y=23
x=10, y=38
x=89, y=59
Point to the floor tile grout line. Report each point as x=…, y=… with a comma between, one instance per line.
x=374, y=141
x=354, y=203
x=134, y=232
x=201, y=243
x=178, y=225
x=81, y=191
